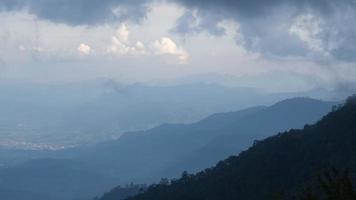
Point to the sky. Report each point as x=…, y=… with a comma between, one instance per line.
x=277, y=45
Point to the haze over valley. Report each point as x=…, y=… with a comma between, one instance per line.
x=177, y=100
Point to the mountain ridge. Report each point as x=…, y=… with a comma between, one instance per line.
x=279, y=163
x=146, y=156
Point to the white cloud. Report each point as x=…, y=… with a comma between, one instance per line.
x=167, y=46
x=22, y=48
x=122, y=33
x=120, y=44
x=84, y=49
x=140, y=48
x=140, y=45
x=118, y=47
x=119, y=41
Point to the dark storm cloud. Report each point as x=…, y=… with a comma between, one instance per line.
x=259, y=8
x=265, y=25
x=80, y=12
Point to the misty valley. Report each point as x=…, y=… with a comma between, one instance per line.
x=119, y=161
x=177, y=100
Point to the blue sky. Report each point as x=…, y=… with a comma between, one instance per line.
x=276, y=45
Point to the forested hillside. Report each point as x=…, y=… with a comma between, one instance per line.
x=284, y=162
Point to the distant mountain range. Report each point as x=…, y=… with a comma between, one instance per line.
x=283, y=163
x=171, y=148
x=62, y=116
x=146, y=156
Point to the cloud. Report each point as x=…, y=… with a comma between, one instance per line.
x=166, y=46
x=195, y=21
x=308, y=29
x=122, y=33
x=81, y=12
x=262, y=24
x=279, y=28
x=120, y=44
x=84, y=49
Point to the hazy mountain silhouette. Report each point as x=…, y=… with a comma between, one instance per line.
x=168, y=149
x=21, y=195
x=164, y=151
x=55, y=179
x=282, y=162
x=88, y=112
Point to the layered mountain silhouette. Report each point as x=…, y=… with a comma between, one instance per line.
x=164, y=151
x=171, y=148
x=91, y=111
x=283, y=162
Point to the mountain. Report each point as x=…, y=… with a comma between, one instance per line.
x=283, y=162
x=171, y=148
x=66, y=115
x=121, y=193
x=239, y=134
x=53, y=179
x=21, y=195
x=146, y=156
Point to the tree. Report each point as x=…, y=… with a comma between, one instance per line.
x=337, y=186
x=164, y=181
x=333, y=185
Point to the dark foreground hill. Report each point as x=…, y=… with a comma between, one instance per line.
x=280, y=163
